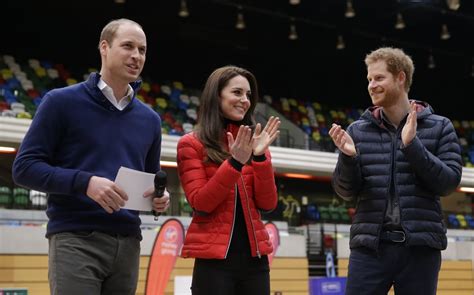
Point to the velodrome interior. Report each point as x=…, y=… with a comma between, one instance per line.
x=307, y=82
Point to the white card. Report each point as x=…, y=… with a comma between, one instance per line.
x=135, y=183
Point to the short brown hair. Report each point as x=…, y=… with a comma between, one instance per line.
x=110, y=29
x=397, y=61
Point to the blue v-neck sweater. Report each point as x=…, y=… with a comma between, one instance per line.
x=76, y=134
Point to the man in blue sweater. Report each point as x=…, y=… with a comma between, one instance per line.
x=79, y=138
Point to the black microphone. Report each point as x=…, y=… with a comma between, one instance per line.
x=160, y=186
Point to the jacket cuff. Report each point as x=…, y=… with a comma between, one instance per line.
x=259, y=158
x=236, y=164
x=348, y=160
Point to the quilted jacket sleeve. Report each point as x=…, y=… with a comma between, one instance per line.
x=441, y=172
x=347, y=176
x=204, y=194
x=265, y=188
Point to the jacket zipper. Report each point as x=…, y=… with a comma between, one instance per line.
x=233, y=222
x=250, y=217
x=392, y=163
x=395, y=191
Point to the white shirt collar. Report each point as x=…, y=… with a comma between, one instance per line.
x=109, y=94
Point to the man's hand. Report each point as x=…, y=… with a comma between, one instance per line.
x=160, y=204
x=409, y=130
x=342, y=140
x=106, y=193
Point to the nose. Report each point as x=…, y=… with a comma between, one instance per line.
x=135, y=53
x=372, y=85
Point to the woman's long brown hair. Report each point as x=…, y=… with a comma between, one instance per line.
x=211, y=121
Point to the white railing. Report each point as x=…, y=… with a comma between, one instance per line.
x=285, y=160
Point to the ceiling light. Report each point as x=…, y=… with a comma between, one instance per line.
x=350, y=12
x=431, y=62
x=400, y=24
x=240, y=23
x=453, y=4
x=340, y=44
x=445, y=35
x=295, y=2
x=183, y=10
x=293, y=35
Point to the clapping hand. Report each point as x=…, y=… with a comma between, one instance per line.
x=409, y=130
x=342, y=140
x=262, y=139
x=241, y=147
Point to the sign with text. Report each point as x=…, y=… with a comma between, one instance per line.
x=274, y=234
x=165, y=251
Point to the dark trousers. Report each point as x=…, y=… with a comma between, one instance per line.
x=411, y=270
x=93, y=263
x=237, y=274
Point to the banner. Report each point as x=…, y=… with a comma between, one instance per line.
x=274, y=237
x=165, y=251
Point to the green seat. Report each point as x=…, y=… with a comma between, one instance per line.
x=324, y=213
x=185, y=208
x=334, y=214
x=345, y=218
x=5, y=197
x=21, y=198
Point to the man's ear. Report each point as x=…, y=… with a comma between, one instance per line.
x=103, y=47
x=402, y=77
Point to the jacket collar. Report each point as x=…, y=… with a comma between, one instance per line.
x=374, y=113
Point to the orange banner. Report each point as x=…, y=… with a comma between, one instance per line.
x=165, y=251
x=274, y=234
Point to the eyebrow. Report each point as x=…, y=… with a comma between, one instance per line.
x=239, y=88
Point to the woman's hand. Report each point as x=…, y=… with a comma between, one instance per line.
x=241, y=147
x=262, y=139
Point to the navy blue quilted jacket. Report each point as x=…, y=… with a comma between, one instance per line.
x=428, y=168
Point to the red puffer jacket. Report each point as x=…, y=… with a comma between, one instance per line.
x=210, y=190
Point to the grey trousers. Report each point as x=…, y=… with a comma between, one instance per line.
x=93, y=263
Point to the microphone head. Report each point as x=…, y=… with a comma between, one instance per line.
x=160, y=178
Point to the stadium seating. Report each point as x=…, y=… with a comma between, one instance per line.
x=5, y=197
x=21, y=198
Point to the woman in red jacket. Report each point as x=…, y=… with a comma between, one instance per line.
x=226, y=173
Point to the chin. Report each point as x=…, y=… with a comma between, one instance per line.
x=135, y=76
x=237, y=118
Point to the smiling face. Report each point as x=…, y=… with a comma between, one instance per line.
x=235, y=98
x=124, y=57
x=384, y=88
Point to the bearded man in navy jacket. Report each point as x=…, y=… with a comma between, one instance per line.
x=395, y=163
